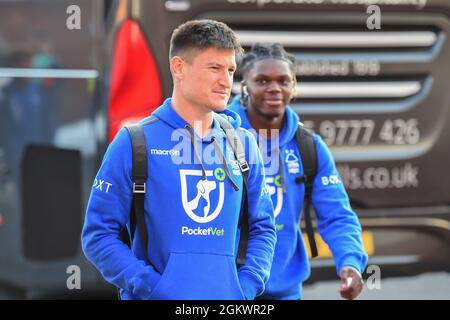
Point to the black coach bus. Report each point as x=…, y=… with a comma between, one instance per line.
x=379, y=98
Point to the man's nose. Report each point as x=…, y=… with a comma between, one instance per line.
x=274, y=87
x=226, y=80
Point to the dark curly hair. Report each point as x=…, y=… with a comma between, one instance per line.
x=261, y=51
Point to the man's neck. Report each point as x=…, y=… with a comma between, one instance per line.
x=199, y=118
x=264, y=126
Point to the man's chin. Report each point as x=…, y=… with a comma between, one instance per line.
x=273, y=112
x=219, y=107
x=271, y=115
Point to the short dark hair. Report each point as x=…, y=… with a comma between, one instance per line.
x=203, y=34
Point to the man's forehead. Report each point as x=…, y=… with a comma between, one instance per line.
x=213, y=55
x=270, y=66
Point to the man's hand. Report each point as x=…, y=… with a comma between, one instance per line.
x=351, y=283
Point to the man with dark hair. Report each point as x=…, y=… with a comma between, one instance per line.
x=209, y=33
x=194, y=190
x=268, y=85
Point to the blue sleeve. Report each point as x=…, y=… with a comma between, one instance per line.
x=338, y=224
x=107, y=213
x=262, y=234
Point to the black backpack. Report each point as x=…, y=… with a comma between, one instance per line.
x=307, y=149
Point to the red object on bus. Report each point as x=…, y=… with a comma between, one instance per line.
x=135, y=88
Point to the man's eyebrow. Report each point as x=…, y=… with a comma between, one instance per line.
x=281, y=76
x=216, y=64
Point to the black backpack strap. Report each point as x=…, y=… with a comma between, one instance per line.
x=139, y=161
x=243, y=224
x=239, y=153
x=307, y=149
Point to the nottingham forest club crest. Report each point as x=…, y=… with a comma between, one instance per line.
x=234, y=164
x=202, y=199
x=292, y=162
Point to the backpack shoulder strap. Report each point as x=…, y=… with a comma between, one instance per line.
x=307, y=149
x=139, y=158
x=239, y=153
x=139, y=162
x=234, y=141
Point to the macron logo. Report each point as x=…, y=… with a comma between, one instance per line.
x=160, y=152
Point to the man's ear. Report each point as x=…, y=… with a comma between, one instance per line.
x=244, y=88
x=294, y=89
x=177, y=67
x=244, y=93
